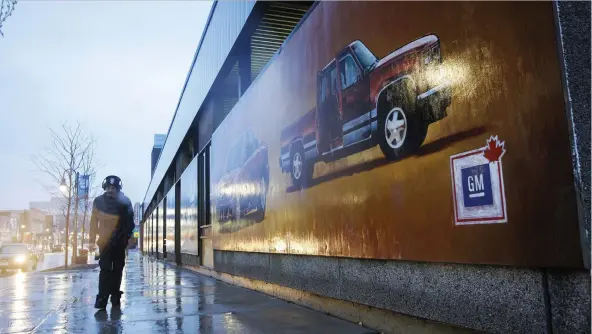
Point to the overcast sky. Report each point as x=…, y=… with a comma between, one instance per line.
x=116, y=67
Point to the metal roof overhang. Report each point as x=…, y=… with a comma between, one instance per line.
x=225, y=22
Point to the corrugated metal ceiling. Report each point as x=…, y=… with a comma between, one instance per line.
x=277, y=24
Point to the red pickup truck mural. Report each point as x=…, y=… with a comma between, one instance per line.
x=363, y=101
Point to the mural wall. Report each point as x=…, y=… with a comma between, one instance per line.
x=399, y=130
x=170, y=221
x=188, y=219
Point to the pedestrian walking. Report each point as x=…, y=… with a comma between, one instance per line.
x=112, y=219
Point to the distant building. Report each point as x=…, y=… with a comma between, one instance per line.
x=54, y=208
x=9, y=222
x=159, y=140
x=34, y=220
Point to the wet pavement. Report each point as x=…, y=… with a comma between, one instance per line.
x=157, y=298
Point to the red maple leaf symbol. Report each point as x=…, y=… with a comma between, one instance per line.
x=494, y=149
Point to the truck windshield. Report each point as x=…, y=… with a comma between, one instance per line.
x=365, y=56
x=234, y=157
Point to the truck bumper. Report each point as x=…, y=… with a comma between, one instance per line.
x=434, y=102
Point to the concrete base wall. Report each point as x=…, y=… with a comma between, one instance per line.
x=189, y=259
x=489, y=298
x=385, y=321
x=569, y=299
x=170, y=257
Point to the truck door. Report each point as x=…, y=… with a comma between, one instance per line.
x=355, y=92
x=329, y=120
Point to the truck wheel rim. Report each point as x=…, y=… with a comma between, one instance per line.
x=297, y=166
x=395, y=127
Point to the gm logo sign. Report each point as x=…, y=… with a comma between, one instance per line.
x=478, y=185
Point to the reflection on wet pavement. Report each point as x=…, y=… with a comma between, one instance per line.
x=157, y=299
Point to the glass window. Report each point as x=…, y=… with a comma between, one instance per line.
x=366, y=58
x=350, y=74
x=324, y=86
x=328, y=83
x=333, y=75
x=234, y=157
x=251, y=145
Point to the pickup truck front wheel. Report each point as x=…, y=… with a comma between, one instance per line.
x=400, y=128
x=301, y=170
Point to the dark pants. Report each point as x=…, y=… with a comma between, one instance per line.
x=111, y=262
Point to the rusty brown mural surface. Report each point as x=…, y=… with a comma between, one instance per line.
x=392, y=130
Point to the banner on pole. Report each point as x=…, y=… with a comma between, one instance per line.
x=83, y=186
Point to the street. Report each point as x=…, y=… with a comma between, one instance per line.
x=50, y=261
x=157, y=298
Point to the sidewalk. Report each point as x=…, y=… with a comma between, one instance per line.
x=157, y=298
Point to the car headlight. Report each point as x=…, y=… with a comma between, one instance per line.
x=20, y=259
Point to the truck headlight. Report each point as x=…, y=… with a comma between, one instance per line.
x=20, y=259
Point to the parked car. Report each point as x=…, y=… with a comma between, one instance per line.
x=242, y=190
x=57, y=248
x=17, y=256
x=363, y=101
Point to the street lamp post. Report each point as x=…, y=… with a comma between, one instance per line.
x=75, y=241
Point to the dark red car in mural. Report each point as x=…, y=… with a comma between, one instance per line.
x=363, y=101
x=242, y=190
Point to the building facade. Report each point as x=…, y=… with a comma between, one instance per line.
x=430, y=177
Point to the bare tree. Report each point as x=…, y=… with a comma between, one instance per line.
x=69, y=151
x=6, y=9
x=88, y=168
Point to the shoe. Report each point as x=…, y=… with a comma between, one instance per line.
x=116, y=298
x=101, y=302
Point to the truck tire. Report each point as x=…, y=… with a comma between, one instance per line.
x=300, y=169
x=401, y=130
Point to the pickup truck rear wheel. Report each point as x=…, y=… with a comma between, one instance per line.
x=400, y=128
x=301, y=170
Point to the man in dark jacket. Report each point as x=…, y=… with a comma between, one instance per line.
x=113, y=220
